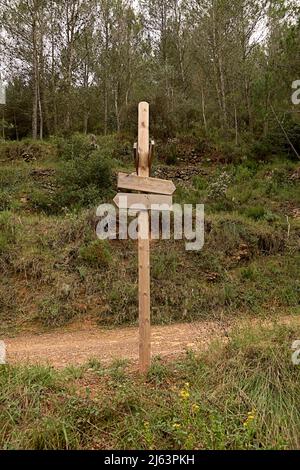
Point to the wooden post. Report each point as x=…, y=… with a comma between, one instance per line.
x=143, y=245
x=152, y=192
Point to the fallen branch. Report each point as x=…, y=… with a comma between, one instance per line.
x=285, y=133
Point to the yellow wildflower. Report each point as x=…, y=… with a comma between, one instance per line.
x=184, y=394
x=176, y=426
x=250, y=418
x=195, y=407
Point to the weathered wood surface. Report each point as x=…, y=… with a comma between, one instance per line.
x=145, y=184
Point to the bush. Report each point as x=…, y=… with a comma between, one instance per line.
x=230, y=152
x=83, y=172
x=80, y=182
x=96, y=254
x=218, y=188
x=122, y=304
x=262, y=149
x=169, y=153
x=5, y=200
x=7, y=231
x=53, y=313
x=77, y=146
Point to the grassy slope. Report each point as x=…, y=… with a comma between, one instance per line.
x=242, y=395
x=55, y=270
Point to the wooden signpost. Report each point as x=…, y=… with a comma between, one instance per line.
x=160, y=192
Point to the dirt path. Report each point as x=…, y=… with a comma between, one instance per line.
x=82, y=342
x=77, y=347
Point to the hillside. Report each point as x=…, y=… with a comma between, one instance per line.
x=56, y=271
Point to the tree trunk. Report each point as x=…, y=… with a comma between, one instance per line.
x=117, y=110
x=203, y=109
x=34, y=87
x=236, y=126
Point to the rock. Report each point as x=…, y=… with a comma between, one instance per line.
x=65, y=290
x=296, y=175
x=179, y=173
x=42, y=172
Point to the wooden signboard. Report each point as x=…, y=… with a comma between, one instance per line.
x=145, y=184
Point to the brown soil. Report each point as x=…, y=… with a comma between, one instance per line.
x=79, y=343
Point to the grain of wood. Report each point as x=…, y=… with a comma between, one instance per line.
x=144, y=184
x=143, y=246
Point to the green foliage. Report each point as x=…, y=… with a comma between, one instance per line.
x=83, y=172
x=169, y=153
x=54, y=312
x=96, y=254
x=78, y=146
x=249, y=261
x=262, y=149
x=7, y=231
x=80, y=182
x=121, y=304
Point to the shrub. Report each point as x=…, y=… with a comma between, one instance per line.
x=231, y=153
x=262, y=149
x=5, y=200
x=97, y=253
x=169, y=153
x=52, y=312
x=77, y=146
x=80, y=182
x=82, y=172
x=255, y=212
x=259, y=212
x=218, y=189
x=122, y=304
x=7, y=231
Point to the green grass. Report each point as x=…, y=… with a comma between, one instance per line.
x=239, y=395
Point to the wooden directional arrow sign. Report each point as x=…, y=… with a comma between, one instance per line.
x=143, y=201
x=145, y=184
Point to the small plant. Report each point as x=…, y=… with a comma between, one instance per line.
x=76, y=146
x=218, y=189
x=96, y=254
x=170, y=153
x=7, y=231
x=255, y=212
x=54, y=313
